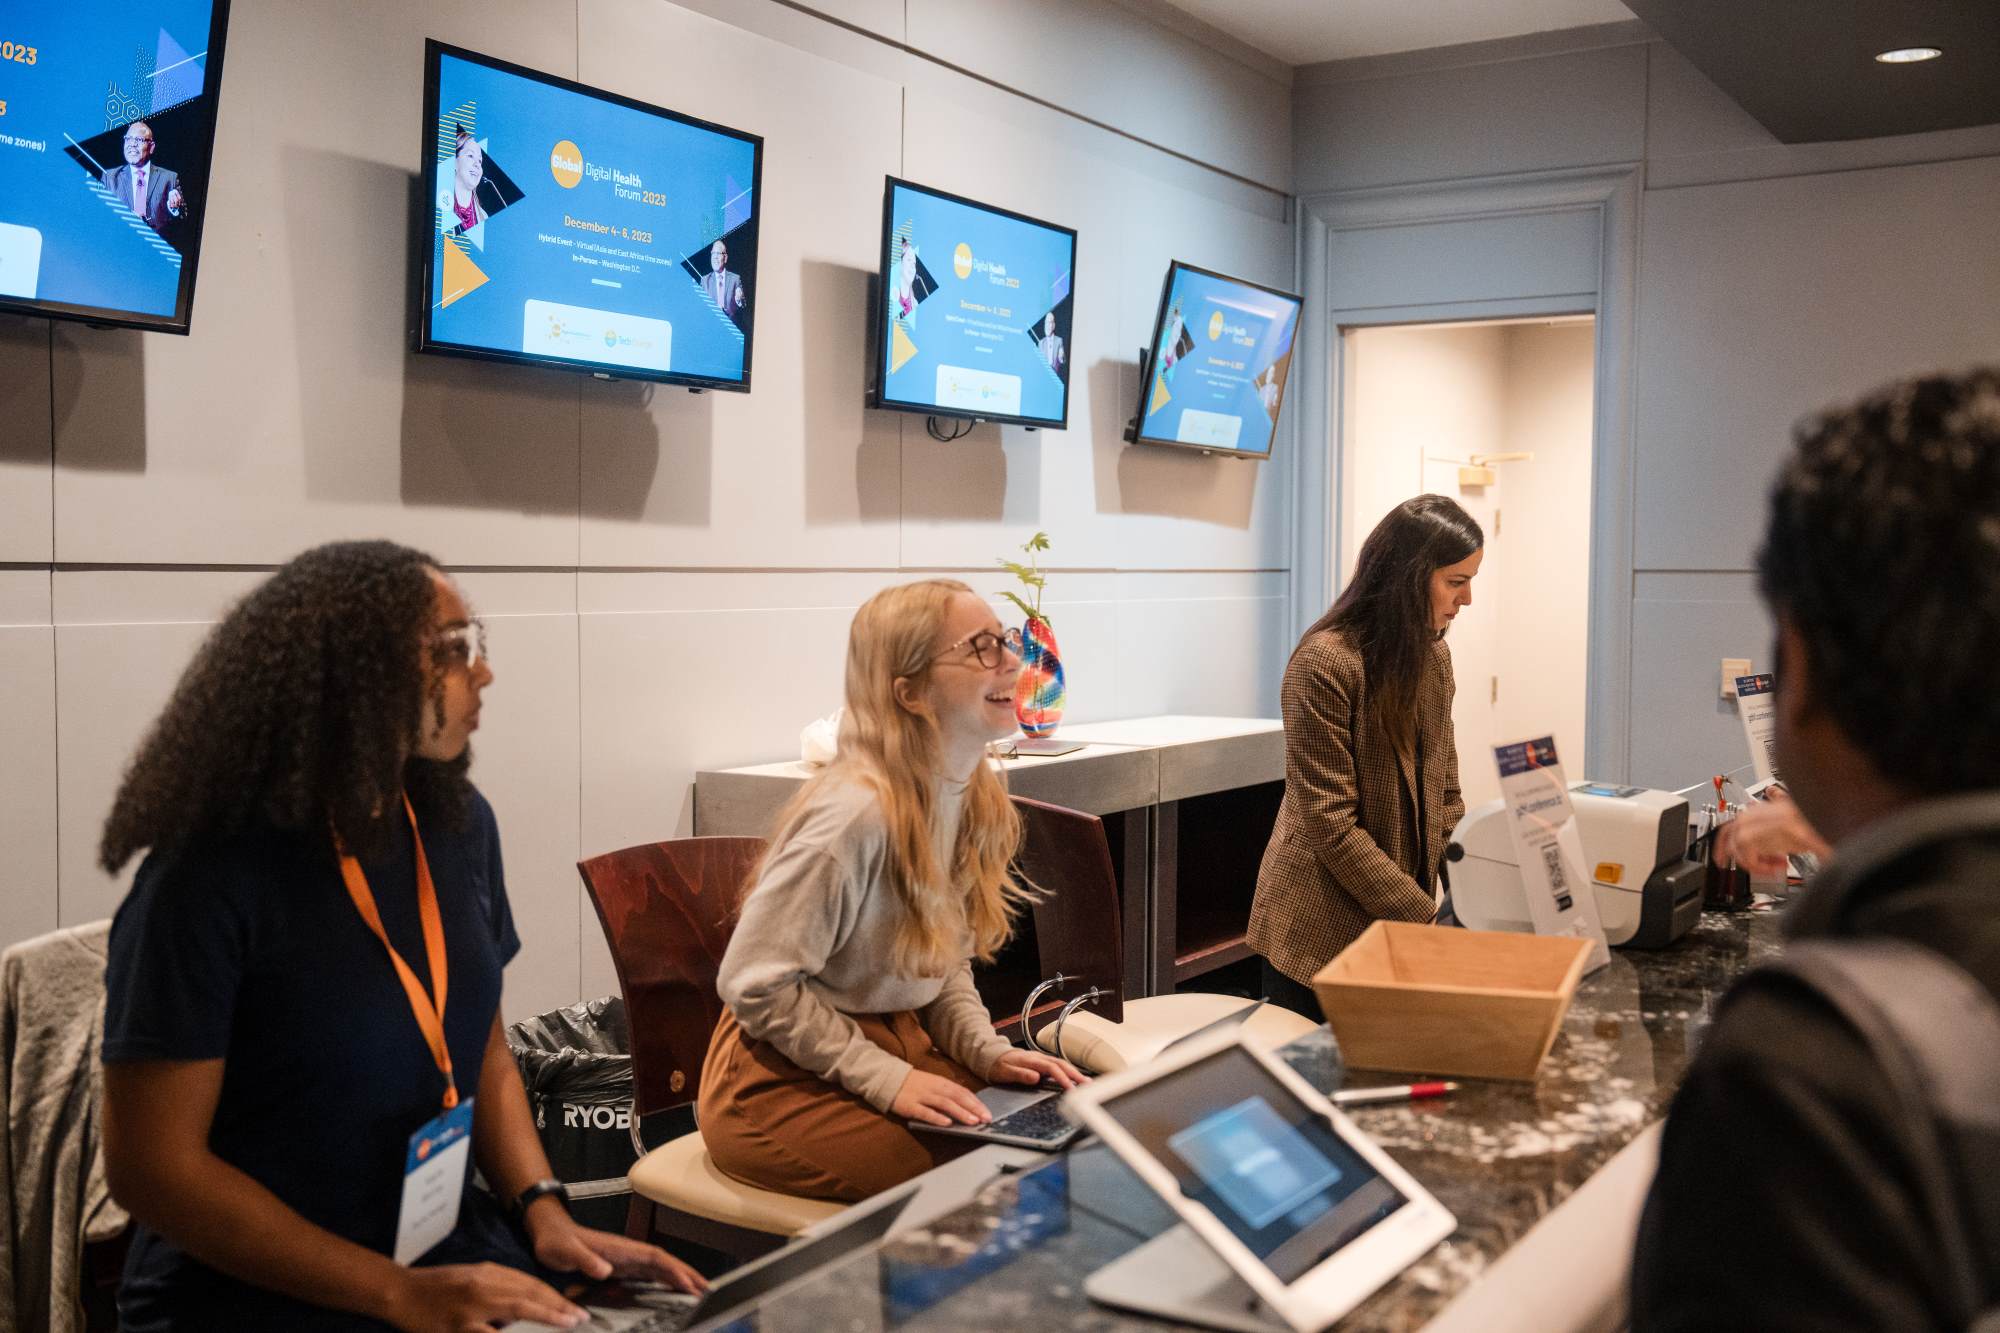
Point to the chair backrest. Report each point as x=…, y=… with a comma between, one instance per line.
x=668, y=909
x=1065, y=853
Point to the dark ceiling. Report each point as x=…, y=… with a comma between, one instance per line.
x=1806, y=69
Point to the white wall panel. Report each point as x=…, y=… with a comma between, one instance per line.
x=122, y=641
x=1105, y=504
x=798, y=472
x=1683, y=625
x=1209, y=644
x=1762, y=301
x=111, y=683
x=1111, y=65
x=1576, y=109
x=28, y=886
x=668, y=692
x=528, y=765
x=294, y=412
x=884, y=18
x=1523, y=256
x=124, y=638
x=26, y=519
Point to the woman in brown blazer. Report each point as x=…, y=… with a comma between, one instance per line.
x=1371, y=766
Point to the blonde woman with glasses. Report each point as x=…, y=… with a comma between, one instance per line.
x=849, y=1007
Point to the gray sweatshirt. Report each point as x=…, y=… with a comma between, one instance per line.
x=814, y=942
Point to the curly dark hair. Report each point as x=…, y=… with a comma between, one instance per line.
x=1883, y=553
x=1385, y=610
x=301, y=709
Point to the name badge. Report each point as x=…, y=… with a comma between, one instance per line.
x=433, y=1182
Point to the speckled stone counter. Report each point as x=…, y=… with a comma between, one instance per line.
x=1500, y=1156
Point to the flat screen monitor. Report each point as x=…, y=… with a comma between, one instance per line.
x=976, y=310
x=107, y=125
x=570, y=227
x=1215, y=371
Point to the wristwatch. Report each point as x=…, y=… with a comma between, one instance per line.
x=541, y=1188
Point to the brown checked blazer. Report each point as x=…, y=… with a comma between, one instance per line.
x=1345, y=851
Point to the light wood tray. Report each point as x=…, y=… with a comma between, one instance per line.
x=1439, y=1000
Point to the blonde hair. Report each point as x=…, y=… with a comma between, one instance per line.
x=894, y=751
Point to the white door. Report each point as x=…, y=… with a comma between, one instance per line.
x=1418, y=402
x=1474, y=639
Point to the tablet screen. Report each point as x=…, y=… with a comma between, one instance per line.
x=1274, y=1172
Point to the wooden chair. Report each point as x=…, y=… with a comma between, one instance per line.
x=1066, y=854
x=668, y=909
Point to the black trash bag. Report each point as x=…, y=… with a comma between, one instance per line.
x=577, y=1065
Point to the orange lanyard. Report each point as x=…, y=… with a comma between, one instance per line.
x=430, y=1017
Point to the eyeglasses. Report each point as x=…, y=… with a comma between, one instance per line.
x=138, y=138
x=463, y=646
x=986, y=646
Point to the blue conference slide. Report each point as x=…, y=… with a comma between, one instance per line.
x=979, y=310
x=573, y=227
x=106, y=116
x=1218, y=372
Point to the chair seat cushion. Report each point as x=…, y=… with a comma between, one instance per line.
x=1154, y=1023
x=680, y=1174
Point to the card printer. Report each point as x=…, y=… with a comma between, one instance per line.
x=1634, y=849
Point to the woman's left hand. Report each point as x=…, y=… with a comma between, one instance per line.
x=563, y=1245
x=1019, y=1066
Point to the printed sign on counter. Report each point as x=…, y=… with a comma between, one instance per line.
x=1547, y=846
x=1756, y=704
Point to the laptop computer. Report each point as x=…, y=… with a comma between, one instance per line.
x=1290, y=1215
x=1025, y=1117
x=636, y=1307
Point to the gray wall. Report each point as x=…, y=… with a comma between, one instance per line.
x=1772, y=280
x=667, y=577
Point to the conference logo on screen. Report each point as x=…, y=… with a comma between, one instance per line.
x=566, y=164
x=1215, y=326
x=961, y=260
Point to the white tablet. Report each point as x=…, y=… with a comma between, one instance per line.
x=1308, y=1213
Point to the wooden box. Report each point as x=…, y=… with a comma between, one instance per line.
x=1439, y=1000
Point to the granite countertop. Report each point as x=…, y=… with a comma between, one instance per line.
x=1501, y=1156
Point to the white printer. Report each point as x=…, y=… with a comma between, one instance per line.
x=1634, y=848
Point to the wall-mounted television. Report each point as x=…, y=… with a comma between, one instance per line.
x=1215, y=371
x=107, y=126
x=975, y=310
x=566, y=226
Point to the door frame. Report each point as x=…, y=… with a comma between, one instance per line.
x=1612, y=193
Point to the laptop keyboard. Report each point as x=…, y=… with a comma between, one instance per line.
x=1044, y=1121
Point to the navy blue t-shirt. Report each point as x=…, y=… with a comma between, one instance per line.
x=250, y=951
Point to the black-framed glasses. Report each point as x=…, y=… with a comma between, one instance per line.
x=461, y=646
x=986, y=646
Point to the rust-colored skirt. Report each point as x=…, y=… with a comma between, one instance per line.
x=769, y=1123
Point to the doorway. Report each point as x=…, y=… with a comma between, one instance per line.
x=1498, y=415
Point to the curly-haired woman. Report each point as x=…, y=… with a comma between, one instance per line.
x=848, y=980
x=304, y=984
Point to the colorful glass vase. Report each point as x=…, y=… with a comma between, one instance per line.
x=1038, y=693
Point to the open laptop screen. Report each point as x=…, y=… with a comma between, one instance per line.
x=1274, y=1172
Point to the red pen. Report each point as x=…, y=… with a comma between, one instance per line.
x=1401, y=1092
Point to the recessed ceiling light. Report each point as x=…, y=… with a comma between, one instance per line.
x=1908, y=55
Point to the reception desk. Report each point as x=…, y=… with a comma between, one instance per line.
x=1187, y=802
x=1538, y=1175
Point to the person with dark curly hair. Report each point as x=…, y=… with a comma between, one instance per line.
x=1802, y=1184
x=304, y=982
